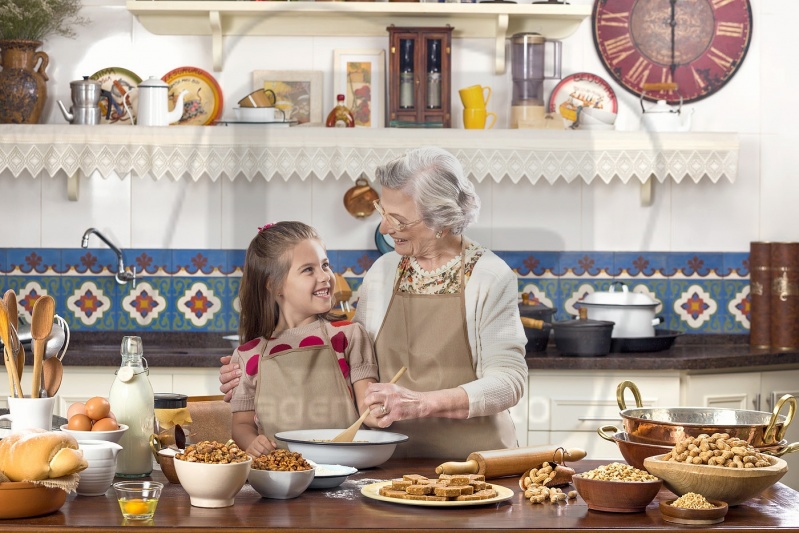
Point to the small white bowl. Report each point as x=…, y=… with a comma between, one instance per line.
x=331, y=476
x=369, y=448
x=280, y=484
x=259, y=114
x=212, y=485
x=110, y=436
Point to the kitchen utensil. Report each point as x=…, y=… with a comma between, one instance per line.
x=537, y=338
x=10, y=342
x=661, y=116
x=10, y=299
x=373, y=491
x=259, y=114
x=114, y=435
x=359, y=199
x=41, y=326
x=633, y=452
x=203, y=103
x=632, y=312
x=22, y=499
x=348, y=434
x=212, y=485
x=477, y=119
x=280, y=484
x=330, y=476
x=368, y=449
x=52, y=369
x=102, y=459
x=529, y=71
x=583, y=337
x=681, y=515
x=138, y=499
x=259, y=98
x=662, y=340
x=154, y=102
x=669, y=425
x=85, y=108
x=616, y=496
x=30, y=413
x=475, y=96
x=509, y=462
x=731, y=485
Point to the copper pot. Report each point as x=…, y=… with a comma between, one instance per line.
x=359, y=200
x=670, y=425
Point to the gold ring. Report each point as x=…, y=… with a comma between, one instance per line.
x=383, y=409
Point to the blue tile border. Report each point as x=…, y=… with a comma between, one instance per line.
x=196, y=290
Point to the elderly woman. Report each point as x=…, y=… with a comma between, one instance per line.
x=444, y=307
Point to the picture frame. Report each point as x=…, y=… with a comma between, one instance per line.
x=298, y=92
x=360, y=75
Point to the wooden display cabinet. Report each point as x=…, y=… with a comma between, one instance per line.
x=419, y=77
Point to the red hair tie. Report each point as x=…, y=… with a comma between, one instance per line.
x=266, y=226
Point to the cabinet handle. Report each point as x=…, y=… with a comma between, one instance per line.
x=597, y=419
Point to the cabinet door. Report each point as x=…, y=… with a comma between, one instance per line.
x=773, y=386
x=732, y=391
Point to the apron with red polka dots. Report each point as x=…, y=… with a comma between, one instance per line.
x=427, y=333
x=303, y=388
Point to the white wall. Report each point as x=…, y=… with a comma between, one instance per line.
x=143, y=213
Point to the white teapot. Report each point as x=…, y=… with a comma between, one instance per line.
x=663, y=117
x=153, y=104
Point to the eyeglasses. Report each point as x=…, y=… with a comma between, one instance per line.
x=393, y=222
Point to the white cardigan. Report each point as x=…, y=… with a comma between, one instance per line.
x=496, y=335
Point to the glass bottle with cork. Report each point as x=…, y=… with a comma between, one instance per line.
x=131, y=399
x=340, y=116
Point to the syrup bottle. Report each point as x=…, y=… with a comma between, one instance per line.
x=340, y=116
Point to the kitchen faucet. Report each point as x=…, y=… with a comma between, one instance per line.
x=122, y=276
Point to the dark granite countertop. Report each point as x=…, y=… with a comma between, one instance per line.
x=693, y=353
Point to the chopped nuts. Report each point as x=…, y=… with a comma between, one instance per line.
x=692, y=500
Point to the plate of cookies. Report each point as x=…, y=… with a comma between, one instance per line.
x=443, y=491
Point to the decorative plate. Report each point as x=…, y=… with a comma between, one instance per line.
x=582, y=89
x=372, y=491
x=202, y=104
x=120, y=82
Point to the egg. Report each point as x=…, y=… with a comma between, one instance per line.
x=105, y=424
x=79, y=422
x=97, y=408
x=77, y=408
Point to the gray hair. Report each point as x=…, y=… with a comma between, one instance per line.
x=435, y=180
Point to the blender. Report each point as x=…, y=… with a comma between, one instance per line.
x=529, y=56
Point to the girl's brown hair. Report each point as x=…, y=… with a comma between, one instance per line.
x=266, y=267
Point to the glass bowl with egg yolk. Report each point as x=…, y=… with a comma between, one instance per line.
x=138, y=499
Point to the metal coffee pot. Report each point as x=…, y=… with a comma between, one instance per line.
x=85, y=108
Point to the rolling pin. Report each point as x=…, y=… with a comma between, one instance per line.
x=508, y=462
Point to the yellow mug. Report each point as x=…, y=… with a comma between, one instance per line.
x=475, y=119
x=475, y=97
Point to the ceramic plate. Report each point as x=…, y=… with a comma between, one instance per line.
x=581, y=89
x=372, y=491
x=121, y=83
x=202, y=104
x=330, y=476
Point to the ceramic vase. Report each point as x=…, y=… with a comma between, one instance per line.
x=23, y=81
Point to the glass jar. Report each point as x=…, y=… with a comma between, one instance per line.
x=171, y=411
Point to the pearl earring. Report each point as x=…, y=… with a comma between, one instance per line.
x=439, y=234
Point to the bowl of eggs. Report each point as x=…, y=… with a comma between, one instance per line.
x=93, y=420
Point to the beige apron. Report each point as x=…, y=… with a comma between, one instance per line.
x=303, y=388
x=427, y=333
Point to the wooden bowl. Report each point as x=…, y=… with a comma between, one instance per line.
x=20, y=499
x=731, y=485
x=679, y=515
x=616, y=496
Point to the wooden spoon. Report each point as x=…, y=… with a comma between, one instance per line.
x=8, y=348
x=348, y=434
x=41, y=326
x=10, y=298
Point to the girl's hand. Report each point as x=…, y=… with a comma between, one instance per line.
x=229, y=375
x=260, y=446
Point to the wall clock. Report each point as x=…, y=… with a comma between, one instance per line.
x=696, y=44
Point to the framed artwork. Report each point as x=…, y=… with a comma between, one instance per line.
x=297, y=92
x=360, y=75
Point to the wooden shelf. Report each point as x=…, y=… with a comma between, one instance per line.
x=222, y=18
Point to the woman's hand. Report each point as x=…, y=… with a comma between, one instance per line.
x=390, y=403
x=260, y=445
x=229, y=375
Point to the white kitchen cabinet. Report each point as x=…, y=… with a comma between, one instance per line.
x=567, y=407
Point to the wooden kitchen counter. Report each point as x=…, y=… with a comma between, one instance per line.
x=345, y=509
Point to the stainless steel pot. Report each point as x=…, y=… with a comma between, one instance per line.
x=670, y=425
x=633, y=312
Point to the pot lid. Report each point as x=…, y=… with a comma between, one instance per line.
x=582, y=323
x=84, y=81
x=154, y=82
x=624, y=297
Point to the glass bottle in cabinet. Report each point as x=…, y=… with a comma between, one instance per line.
x=419, y=77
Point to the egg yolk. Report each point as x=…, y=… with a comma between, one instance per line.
x=136, y=507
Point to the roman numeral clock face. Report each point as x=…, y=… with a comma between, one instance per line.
x=696, y=44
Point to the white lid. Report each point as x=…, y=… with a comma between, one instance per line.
x=152, y=81
x=623, y=297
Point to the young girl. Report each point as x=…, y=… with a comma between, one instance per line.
x=301, y=368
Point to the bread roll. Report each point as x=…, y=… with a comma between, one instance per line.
x=36, y=454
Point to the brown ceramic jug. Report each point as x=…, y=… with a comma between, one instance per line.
x=23, y=87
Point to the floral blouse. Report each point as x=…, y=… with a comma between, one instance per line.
x=443, y=280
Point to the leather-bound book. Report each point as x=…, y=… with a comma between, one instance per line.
x=784, y=308
x=759, y=295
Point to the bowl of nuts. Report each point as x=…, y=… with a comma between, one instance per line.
x=693, y=509
x=717, y=466
x=617, y=488
x=212, y=473
x=280, y=474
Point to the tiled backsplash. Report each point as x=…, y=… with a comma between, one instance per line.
x=197, y=290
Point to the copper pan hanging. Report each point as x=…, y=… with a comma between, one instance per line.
x=359, y=200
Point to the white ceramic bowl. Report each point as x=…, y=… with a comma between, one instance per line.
x=331, y=476
x=212, y=485
x=259, y=114
x=369, y=448
x=233, y=340
x=280, y=484
x=110, y=436
x=97, y=478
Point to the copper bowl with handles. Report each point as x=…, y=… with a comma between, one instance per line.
x=670, y=425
